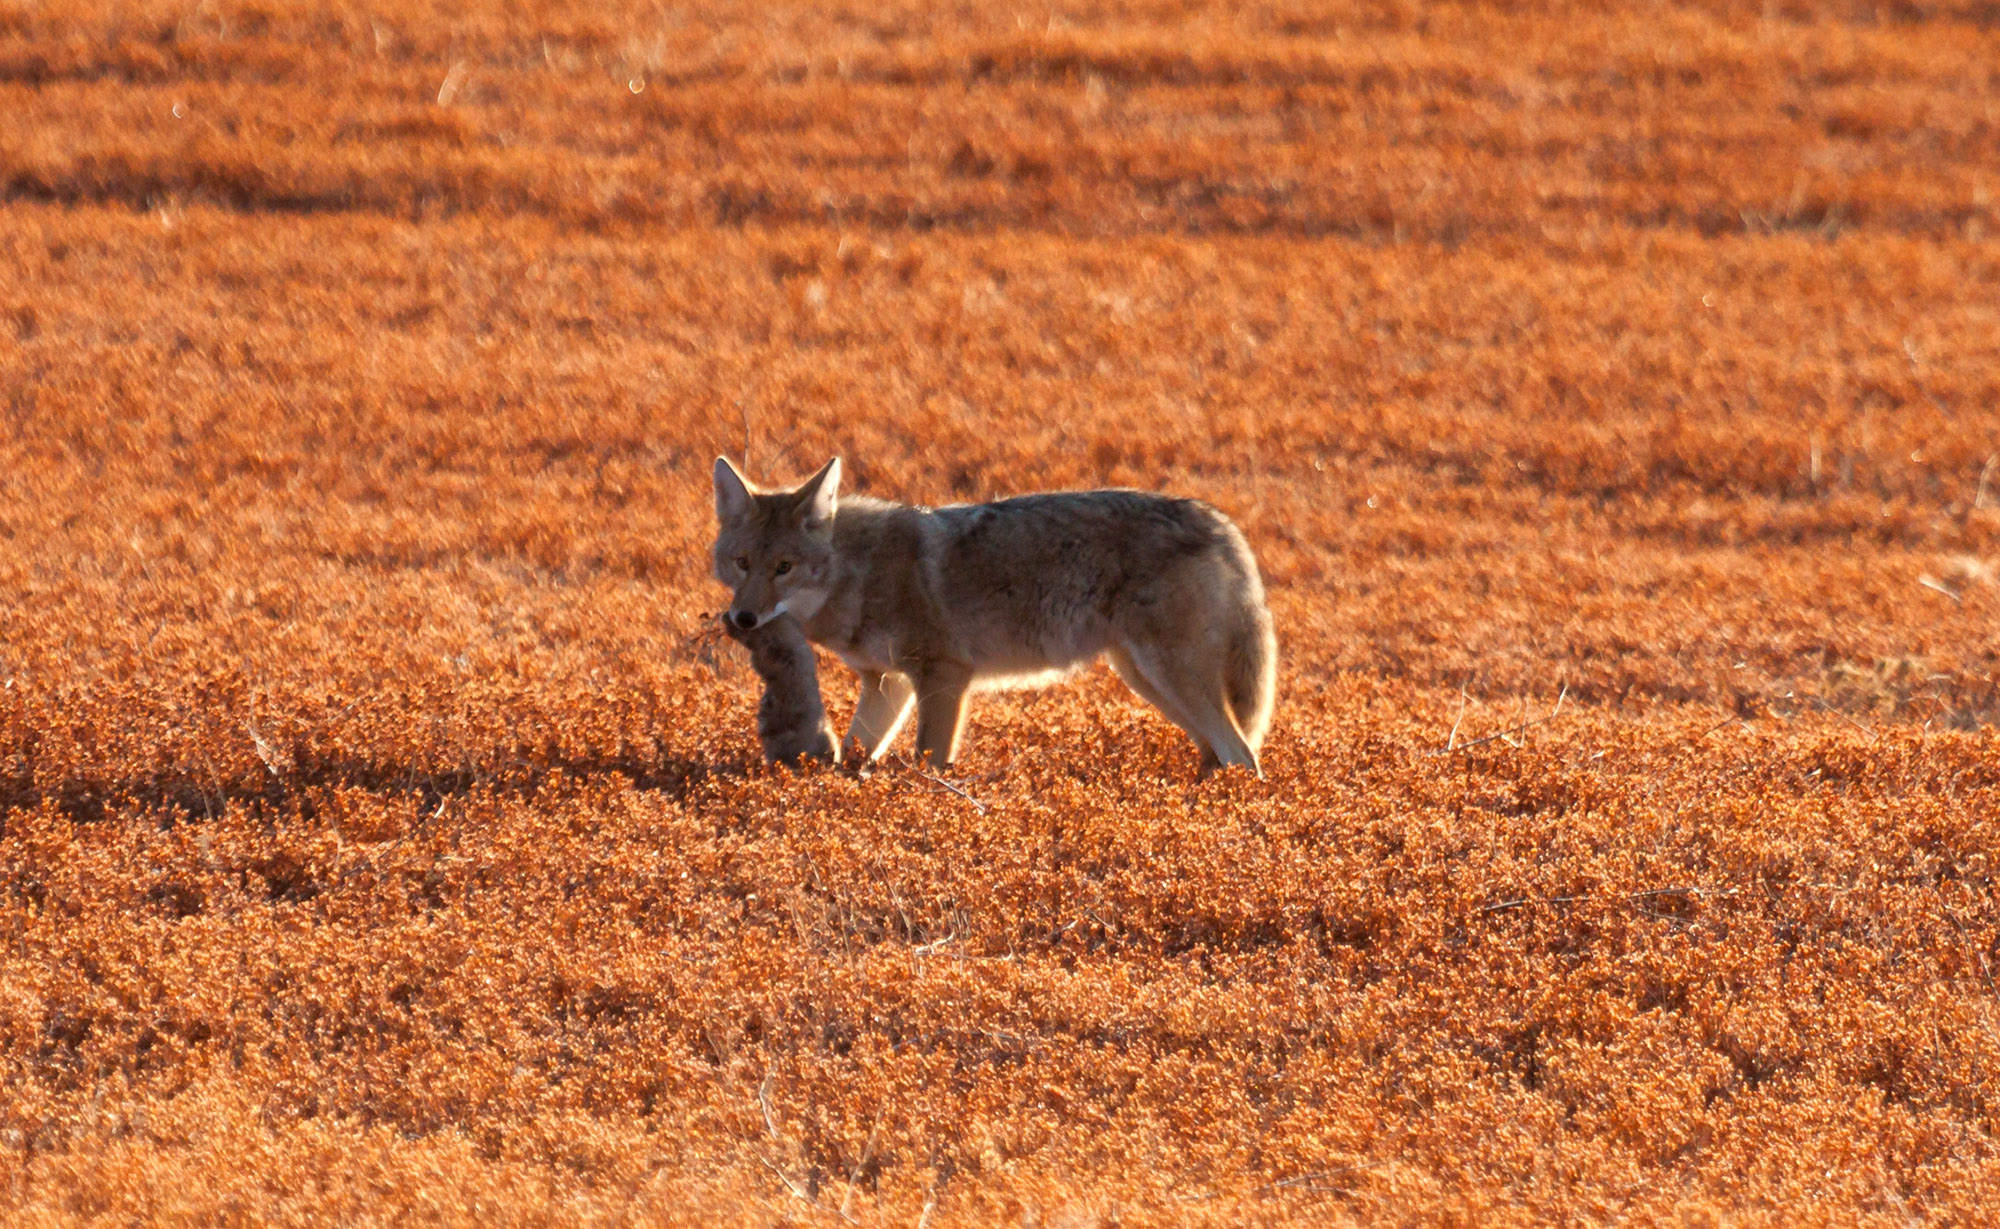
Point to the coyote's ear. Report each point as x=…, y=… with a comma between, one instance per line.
x=820, y=494
x=732, y=493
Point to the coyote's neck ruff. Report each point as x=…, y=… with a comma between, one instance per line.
x=923, y=603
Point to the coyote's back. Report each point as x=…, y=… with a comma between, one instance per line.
x=1166, y=587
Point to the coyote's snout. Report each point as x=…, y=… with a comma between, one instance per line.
x=925, y=603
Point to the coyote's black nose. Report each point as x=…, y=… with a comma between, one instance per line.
x=744, y=619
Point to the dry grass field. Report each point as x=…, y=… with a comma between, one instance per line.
x=1610, y=392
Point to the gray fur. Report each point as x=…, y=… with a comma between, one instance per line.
x=925, y=603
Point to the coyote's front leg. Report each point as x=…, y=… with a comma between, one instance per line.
x=941, y=688
x=879, y=713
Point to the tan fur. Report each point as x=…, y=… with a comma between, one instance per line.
x=925, y=603
x=791, y=720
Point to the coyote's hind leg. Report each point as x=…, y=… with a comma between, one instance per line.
x=1194, y=700
x=1128, y=670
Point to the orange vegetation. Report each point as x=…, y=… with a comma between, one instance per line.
x=383, y=842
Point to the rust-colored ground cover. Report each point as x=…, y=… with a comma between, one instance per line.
x=383, y=843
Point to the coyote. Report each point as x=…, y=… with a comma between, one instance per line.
x=791, y=721
x=926, y=603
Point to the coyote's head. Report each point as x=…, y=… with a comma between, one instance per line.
x=775, y=548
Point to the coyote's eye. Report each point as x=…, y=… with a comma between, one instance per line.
x=742, y=563
x=784, y=567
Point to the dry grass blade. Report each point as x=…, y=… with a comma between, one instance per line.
x=1451, y=741
x=938, y=780
x=1524, y=726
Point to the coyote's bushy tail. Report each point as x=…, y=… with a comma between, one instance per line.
x=1250, y=672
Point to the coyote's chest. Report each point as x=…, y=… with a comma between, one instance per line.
x=870, y=651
